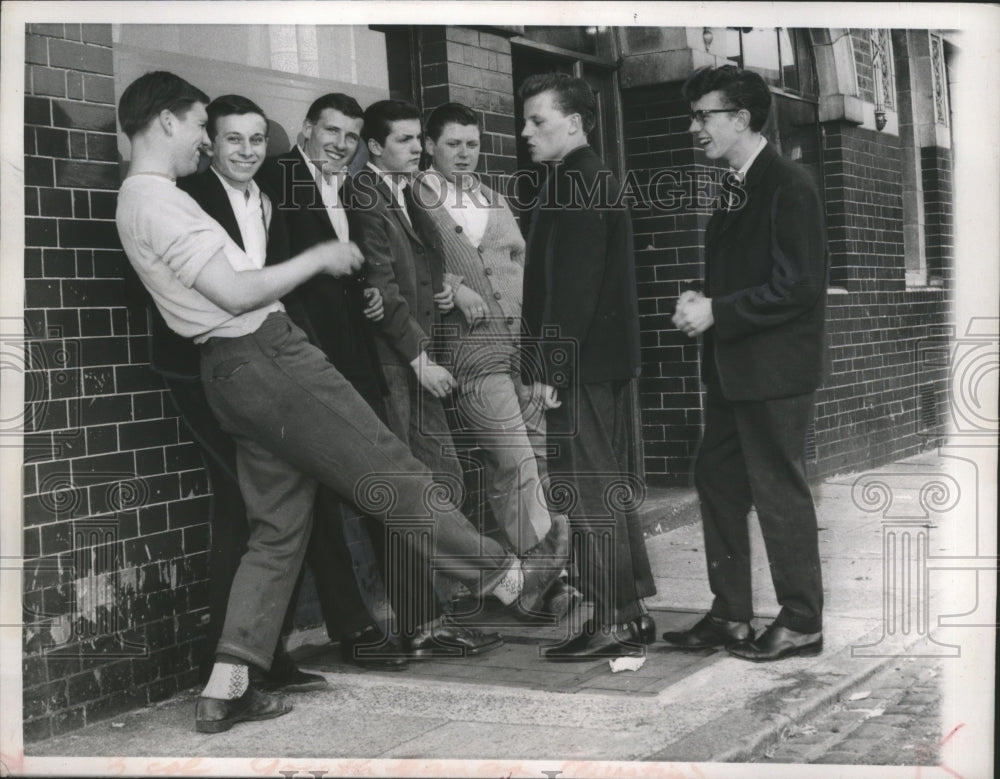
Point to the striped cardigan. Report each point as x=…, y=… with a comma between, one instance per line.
x=495, y=270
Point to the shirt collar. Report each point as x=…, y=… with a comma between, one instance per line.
x=437, y=183
x=742, y=172
x=252, y=189
x=396, y=182
x=317, y=175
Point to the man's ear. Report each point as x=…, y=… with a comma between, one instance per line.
x=575, y=123
x=166, y=119
x=428, y=146
x=374, y=148
x=743, y=118
x=307, y=128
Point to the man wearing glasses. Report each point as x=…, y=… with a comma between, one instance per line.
x=761, y=314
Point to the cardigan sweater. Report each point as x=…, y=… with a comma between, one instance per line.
x=495, y=270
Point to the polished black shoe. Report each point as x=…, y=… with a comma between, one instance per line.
x=213, y=715
x=450, y=640
x=285, y=676
x=371, y=649
x=593, y=643
x=643, y=628
x=777, y=642
x=708, y=633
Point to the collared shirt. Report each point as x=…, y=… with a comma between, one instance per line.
x=396, y=183
x=252, y=210
x=329, y=192
x=741, y=174
x=468, y=208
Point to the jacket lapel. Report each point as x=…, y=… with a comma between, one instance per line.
x=216, y=204
x=307, y=193
x=395, y=212
x=754, y=175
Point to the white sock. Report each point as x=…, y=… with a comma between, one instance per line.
x=510, y=585
x=228, y=681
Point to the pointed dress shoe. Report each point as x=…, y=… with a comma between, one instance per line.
x=285, y=676
x=604, y=643
x=213, y=715
x=777, y=642
x=373, y=650
x=450, y=640
x=708, y=633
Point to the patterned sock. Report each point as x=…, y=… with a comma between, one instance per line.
x=510, y=585
x=228, y=681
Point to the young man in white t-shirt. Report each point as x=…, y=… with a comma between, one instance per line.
x=295, y=419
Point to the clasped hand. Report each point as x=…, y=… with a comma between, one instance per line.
x=693, y=314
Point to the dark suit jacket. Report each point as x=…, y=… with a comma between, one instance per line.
x=331, y=309
x=402, y=259
x=170, y=353
x=580, y=276
x=766, y=272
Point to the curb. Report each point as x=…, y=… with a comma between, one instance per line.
x=757, y=737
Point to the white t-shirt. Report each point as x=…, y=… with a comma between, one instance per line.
x=169, y=240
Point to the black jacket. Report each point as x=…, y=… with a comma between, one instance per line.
x=330, y=310
x=580, y=311
x=766, y=272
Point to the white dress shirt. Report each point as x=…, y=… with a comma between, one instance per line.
x=329, y=192
x=252, y=210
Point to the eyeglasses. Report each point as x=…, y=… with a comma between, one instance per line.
x=699, y=116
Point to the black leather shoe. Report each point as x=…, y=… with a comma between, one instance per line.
x=644, y=628
x=450, y=640
x=710, y=632
x=213, y=715
x=777, y=642
x=371, y=649
x=593, y=643
x=284, y=676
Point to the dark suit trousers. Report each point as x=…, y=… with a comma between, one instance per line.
x=752, y=453
x=589, y=482
x=327, y=555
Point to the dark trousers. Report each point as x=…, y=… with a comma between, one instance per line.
x=297, y=422
x=752, y=453
x=590, y=482
x=327, y=554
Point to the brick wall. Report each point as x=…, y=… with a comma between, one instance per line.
x=115, y=499
x=862, y=45
x=473, y=67
x=668, y=237
x=935, y=170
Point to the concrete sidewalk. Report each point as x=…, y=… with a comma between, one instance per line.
x=510, y=705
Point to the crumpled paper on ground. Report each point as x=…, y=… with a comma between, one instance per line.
x=619, y=664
